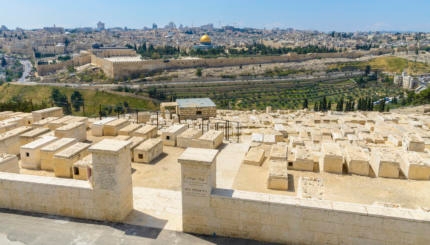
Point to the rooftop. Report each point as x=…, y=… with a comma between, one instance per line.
x=195, y=102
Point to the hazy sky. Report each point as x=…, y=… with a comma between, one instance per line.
x=323, y=15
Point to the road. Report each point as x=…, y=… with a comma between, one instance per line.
x=18, y=228
x=27, y=69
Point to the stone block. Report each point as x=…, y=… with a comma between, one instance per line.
x=186, y=138
x=385, y=163
x=278, y=175
x=77, y=130
x=331, y=158
x=357, y=160
x=255, y=156
x=9, y=163
x=47, y=152
x=63, y=160
x=148, y=150
x=111, y=128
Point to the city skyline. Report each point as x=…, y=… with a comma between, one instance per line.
x=304, y=15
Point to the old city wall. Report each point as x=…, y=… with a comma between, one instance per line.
x=104, y=64
x=134, y=69
x=290, y=220
x=79, y=60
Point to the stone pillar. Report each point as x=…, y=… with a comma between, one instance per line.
x=111, y=178
x=198, y=177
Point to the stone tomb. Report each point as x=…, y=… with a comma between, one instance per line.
x=6, y=126
x=357, y=160
x=148, y=150
x=186, y=138
x=279, y=151
x=385, y=163
x=5, y=114
x=63, y=160
x=112, y=128
x=255, y=156
x=414, y=166
x=82, y=169
x=146, y=132
x=77, y=130
x=331, y=158
x=129, y=129
x=9, y=163
x=30, y=153
x=135, y=141
x=169, y=135
x=32, y=135
x=212, y=139
x=44, y=122
x=122, y=137
x=302, y=159
x=10, y=142
x=48, y=112
x=97, y=127
x=413, y=142
x=52, y=125
x=277, y=178
x=47, y=152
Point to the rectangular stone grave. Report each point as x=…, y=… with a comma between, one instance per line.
x=148, y=150
x=47, y=152
x=278, y=175
x=30, y=153
x=255, y=156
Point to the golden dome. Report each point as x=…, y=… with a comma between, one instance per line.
x=205, y=39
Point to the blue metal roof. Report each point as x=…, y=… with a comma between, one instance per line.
x=195, y=102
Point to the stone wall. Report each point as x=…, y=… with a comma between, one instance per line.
x=284, y=219
x=108, y=197
x=289, y=220
x=124, y=69
x=79, y=60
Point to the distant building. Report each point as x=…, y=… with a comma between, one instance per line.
x=406, y=81
x=100, y=26
x=194, y=108
x=3, y=28
x=205, y=43
x=54, y=29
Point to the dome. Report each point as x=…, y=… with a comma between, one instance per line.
x=205, y=39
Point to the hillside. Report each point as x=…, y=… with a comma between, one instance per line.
x=92, y=97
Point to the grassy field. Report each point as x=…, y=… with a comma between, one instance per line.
x=389, y=64
x=92, y=98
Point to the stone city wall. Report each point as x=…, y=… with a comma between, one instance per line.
x=124, y=69
x=79, y=60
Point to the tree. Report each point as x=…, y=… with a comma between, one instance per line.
x=316, y=106
x=382, y=105
x=60, y=99
x=199, y=72
x=305, y=104
x=3, y=62
x=77, y=100
x=329, y=105
x=367, y=70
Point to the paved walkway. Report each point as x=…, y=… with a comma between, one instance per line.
x=228, y=163
x=157, y=208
